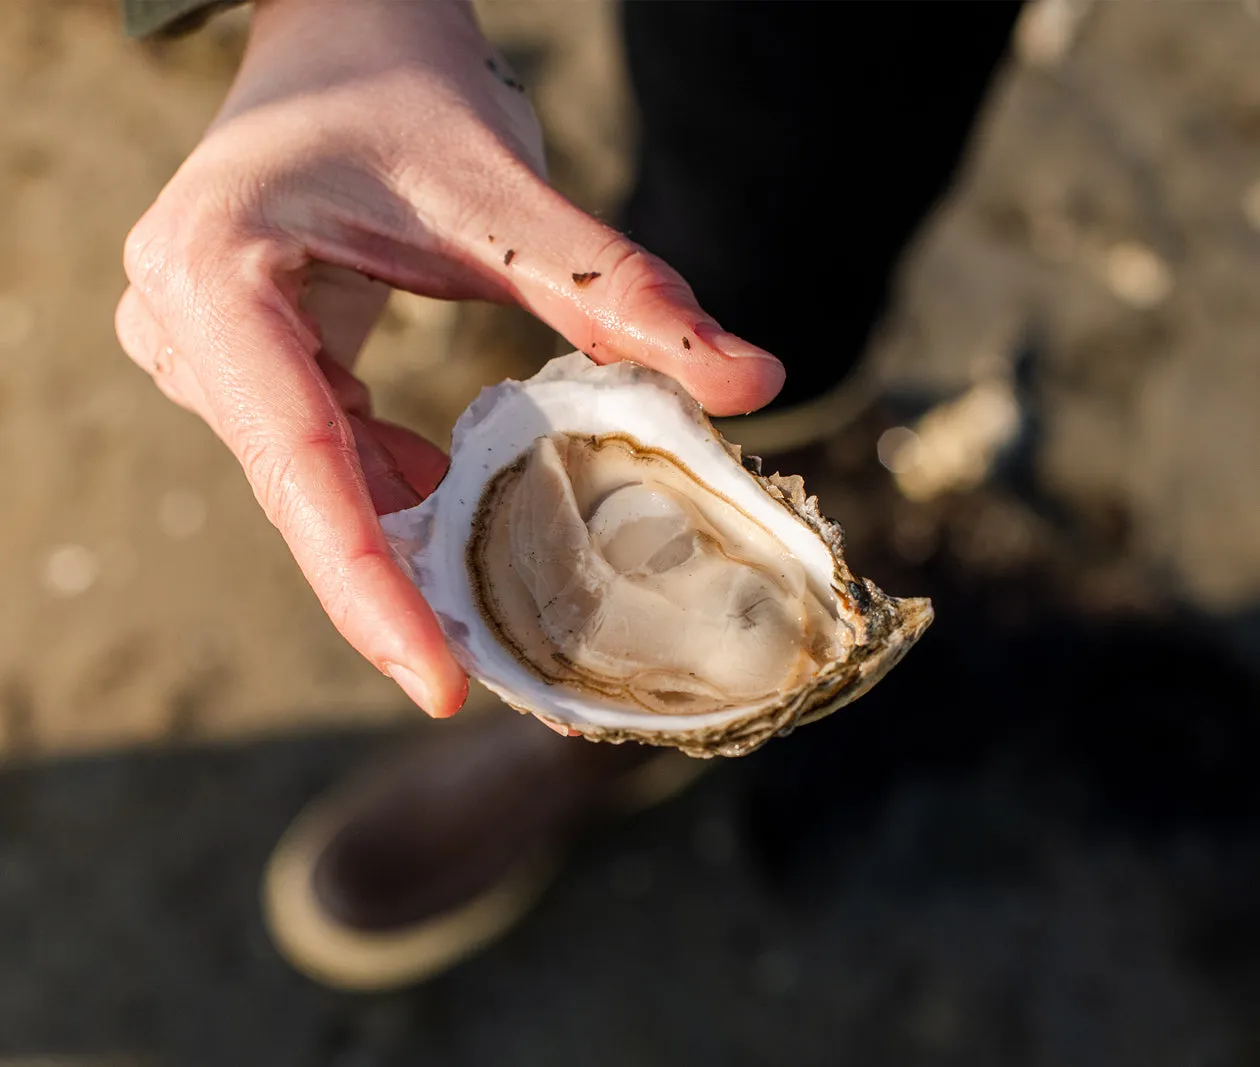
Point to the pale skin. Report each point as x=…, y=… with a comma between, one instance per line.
x=364, y=147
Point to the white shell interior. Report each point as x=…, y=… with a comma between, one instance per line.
x=573, y=395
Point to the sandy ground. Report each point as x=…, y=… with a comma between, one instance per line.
x=1101, y=251
x=1108, y=221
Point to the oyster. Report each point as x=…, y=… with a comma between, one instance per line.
x=598, y=555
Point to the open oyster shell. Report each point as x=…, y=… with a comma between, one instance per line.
x=600, y=556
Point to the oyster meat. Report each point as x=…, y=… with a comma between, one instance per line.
x=598, y=555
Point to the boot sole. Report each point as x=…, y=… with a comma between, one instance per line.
x=342, y=957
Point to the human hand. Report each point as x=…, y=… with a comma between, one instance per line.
x=362, y=147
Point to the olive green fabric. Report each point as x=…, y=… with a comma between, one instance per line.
x=169, y=18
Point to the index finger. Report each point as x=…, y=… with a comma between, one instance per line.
x=229, y=311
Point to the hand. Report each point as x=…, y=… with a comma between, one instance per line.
x=366, y=146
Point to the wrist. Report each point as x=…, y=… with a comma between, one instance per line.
x=365, y=32
x=408, y=66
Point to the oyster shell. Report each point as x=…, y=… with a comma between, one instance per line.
x=598, y=555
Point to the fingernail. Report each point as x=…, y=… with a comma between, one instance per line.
x=413, y=685
x=728, y=344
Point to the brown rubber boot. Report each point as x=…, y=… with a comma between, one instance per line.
x=427, y=858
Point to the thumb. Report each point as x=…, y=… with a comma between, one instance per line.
x=614, y=300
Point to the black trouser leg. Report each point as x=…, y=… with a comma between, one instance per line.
x=789, y=150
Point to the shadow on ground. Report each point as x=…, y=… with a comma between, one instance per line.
x=1035, y=850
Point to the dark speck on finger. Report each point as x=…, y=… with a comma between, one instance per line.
x=509, y=256
x=686, y=343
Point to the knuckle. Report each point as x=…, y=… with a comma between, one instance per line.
x=146, y=252
x=638, y=280
x=274, y=468
x=160, y=262
x=183, y=245
x=455, y=206
x=269, y=469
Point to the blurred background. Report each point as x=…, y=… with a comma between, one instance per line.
x=1037, y=843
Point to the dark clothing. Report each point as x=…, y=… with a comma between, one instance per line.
x=147, y=18
x=789, y=150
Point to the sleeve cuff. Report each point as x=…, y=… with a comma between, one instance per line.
x=169, y=18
